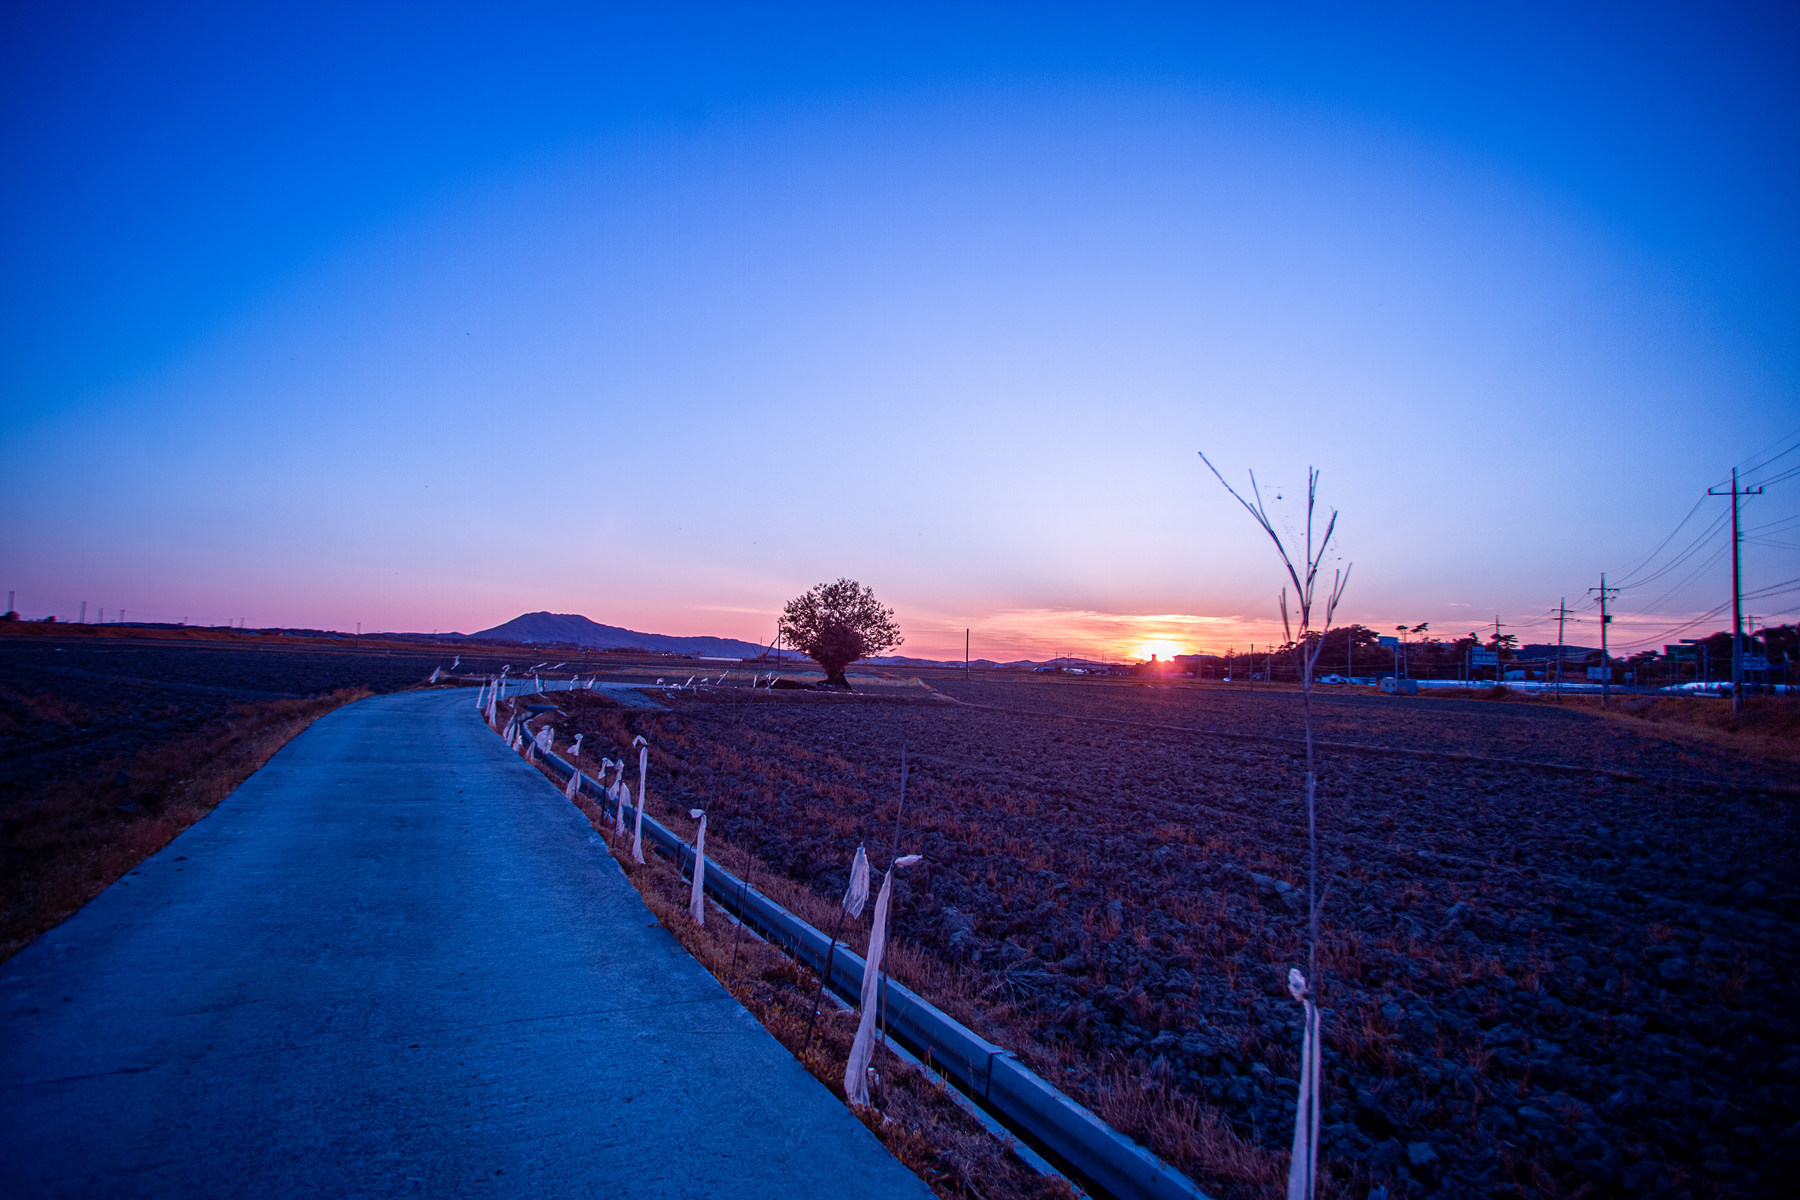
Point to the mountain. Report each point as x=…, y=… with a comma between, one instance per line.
x=575, y=629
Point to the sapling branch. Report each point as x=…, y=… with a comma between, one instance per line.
x=1306, y=649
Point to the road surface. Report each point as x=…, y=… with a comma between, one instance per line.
x=396, y=962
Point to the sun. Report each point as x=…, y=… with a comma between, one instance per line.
x=1160, y=648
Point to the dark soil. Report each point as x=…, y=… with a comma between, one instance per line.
x=1536, y=982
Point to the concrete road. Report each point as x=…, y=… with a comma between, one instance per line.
x=395, y=962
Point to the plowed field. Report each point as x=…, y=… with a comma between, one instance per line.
x=1537, y=981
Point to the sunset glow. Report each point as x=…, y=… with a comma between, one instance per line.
x=1040, y=634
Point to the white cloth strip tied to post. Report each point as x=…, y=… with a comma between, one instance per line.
x=1304, y=1164
x=697, y=894
x=435, y=672
x=570, y=791
x=575, y=750
x=617, y=792
x=862, y=1051
x=637, y=825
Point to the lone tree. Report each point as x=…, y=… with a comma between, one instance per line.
x=834, y=624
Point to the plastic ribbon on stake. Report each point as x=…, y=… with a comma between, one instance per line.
x=857, y=894
x=862, y=1051
x=637, y=825
x=1303, y=1166
x=697, y=894
x=617, y=792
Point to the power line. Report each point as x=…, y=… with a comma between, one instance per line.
x=1642, y=563
x=1705, y=538
x=1691, y=576
x=1792, y=437
x=1788, y=443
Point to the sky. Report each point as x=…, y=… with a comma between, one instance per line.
x=420, y=317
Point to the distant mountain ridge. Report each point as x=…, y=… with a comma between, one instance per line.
x=577, y=630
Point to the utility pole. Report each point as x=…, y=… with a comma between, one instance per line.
x=1737, y=593
x=83, y=620
x=965, y=654
x=1605, y=593
x=1497, y=679
x=1562, y=615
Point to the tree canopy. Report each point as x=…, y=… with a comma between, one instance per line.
x=836, y=624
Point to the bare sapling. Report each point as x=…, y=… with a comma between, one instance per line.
x=862, y=1050
x=855, y=896
x=1306, y=989
x=737, y=938
x=893, y=857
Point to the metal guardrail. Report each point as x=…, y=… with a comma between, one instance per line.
x=1073, y=1138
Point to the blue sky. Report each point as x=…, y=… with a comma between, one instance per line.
x=423, y=317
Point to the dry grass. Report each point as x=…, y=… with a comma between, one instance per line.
x=1191, y=1135
x=1767, y=725
x=76, y=835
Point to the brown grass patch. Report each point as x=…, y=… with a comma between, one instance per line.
x=74, y=836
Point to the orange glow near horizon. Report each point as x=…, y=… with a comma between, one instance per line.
x=1044, y=634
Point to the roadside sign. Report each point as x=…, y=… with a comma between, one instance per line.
x=1389, y=643
x=1484, y=658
